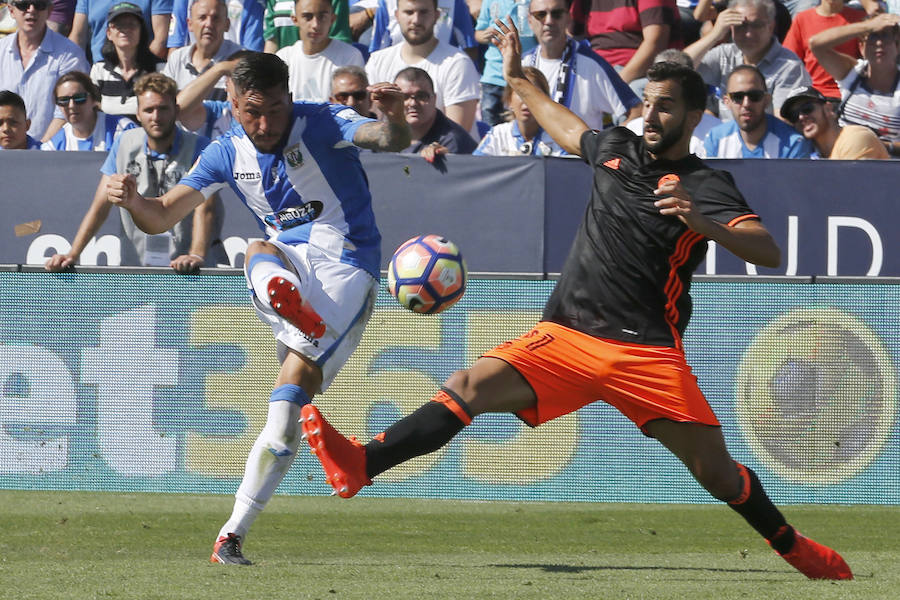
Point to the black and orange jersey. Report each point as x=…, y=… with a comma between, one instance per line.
x=628, y=274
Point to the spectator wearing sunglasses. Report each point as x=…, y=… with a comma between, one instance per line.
x=14, y=124
x=813, y=115
x=126, y=56
x=751, y=25
x=752, y=132
x=870, y=87
x=349, y=87
x=33, y=58
x=433, y=133
x=312, y=60
x=86, y=127
x=579, y=79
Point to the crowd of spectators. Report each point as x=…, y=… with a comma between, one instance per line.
x=74, y=64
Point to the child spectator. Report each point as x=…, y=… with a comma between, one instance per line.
x=14, y=123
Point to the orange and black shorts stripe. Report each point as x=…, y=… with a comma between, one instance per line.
x=568, y=369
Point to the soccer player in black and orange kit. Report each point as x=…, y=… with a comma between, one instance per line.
x=612, y=327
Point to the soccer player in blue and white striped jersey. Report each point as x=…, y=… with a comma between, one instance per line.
x=314, y=280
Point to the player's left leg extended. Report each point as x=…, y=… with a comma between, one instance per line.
x=702, y=449
x=270, y=457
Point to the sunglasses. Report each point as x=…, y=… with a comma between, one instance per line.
x=754, y=95
x=359, y=96
x=804, y=109
x=76, y=98
x=37, y=4
x=419, y=96
x=556, y=14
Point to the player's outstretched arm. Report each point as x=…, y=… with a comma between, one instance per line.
x=152, y=215
x=90, y=224
x=748, y=240
x=392, y=133
x=564, y=126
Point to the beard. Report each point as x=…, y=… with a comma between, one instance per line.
x=669, y=138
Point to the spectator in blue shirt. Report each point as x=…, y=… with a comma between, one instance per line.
x=753, y=133
x=86, y=128
x=33, y=58
x=91, y=20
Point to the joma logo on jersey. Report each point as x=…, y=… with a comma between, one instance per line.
x=255, y=176
x=293, y=156
x=294, y=216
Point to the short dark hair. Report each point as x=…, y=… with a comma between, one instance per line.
x=693, y=89
x=259, y=71
x=80, y=78
x=413, y=74
x=9, y=98
x=750, y=69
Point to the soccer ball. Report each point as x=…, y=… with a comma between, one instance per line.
x=427, y=274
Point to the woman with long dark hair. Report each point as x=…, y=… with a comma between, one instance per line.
x=126, y=56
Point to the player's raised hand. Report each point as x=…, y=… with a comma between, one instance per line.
x=388, y=99
x=121, y=189
x=506, y=38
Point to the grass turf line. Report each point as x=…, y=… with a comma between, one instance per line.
x=112, y=545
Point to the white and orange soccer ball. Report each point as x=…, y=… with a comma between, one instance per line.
x=427, y=274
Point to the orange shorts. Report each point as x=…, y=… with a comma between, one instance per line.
x=568, y=369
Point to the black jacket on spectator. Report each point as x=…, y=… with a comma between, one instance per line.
x=446, y=133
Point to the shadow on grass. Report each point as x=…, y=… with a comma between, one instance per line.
x=586, y=568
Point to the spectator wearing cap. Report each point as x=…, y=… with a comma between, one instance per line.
x=14, y=123
x=87, y=128
x=90, y=25
x=126, y=56
x=752, y=132
x=208, y=23
x=33, y=58
x=812, y=114
x=870, y=87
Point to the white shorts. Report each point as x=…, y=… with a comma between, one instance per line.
x=343, y=295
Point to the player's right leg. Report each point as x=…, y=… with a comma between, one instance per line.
x=277, y=288
x=270, y=457
x=491, y=385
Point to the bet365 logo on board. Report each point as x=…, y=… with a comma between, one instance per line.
x=816, y=396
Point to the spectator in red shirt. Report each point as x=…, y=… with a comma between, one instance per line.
x=828, y=14
x=628, y=33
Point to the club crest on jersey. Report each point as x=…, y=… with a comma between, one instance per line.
x=293, y=156
x=133, y=168
x=294, y=216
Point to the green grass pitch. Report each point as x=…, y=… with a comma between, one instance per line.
x=141, y=546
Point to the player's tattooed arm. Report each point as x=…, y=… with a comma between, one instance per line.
x=392, y=133
x=384, y=136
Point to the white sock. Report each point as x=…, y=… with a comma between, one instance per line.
x=262, y=272
x=269, y=459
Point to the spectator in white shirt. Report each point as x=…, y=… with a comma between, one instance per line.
x=312, y=60
x=452, y=71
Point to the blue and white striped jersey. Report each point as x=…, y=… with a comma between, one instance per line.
x=313, y=190
x=106, y=130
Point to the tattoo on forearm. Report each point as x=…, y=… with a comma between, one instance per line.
x=383, y=136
